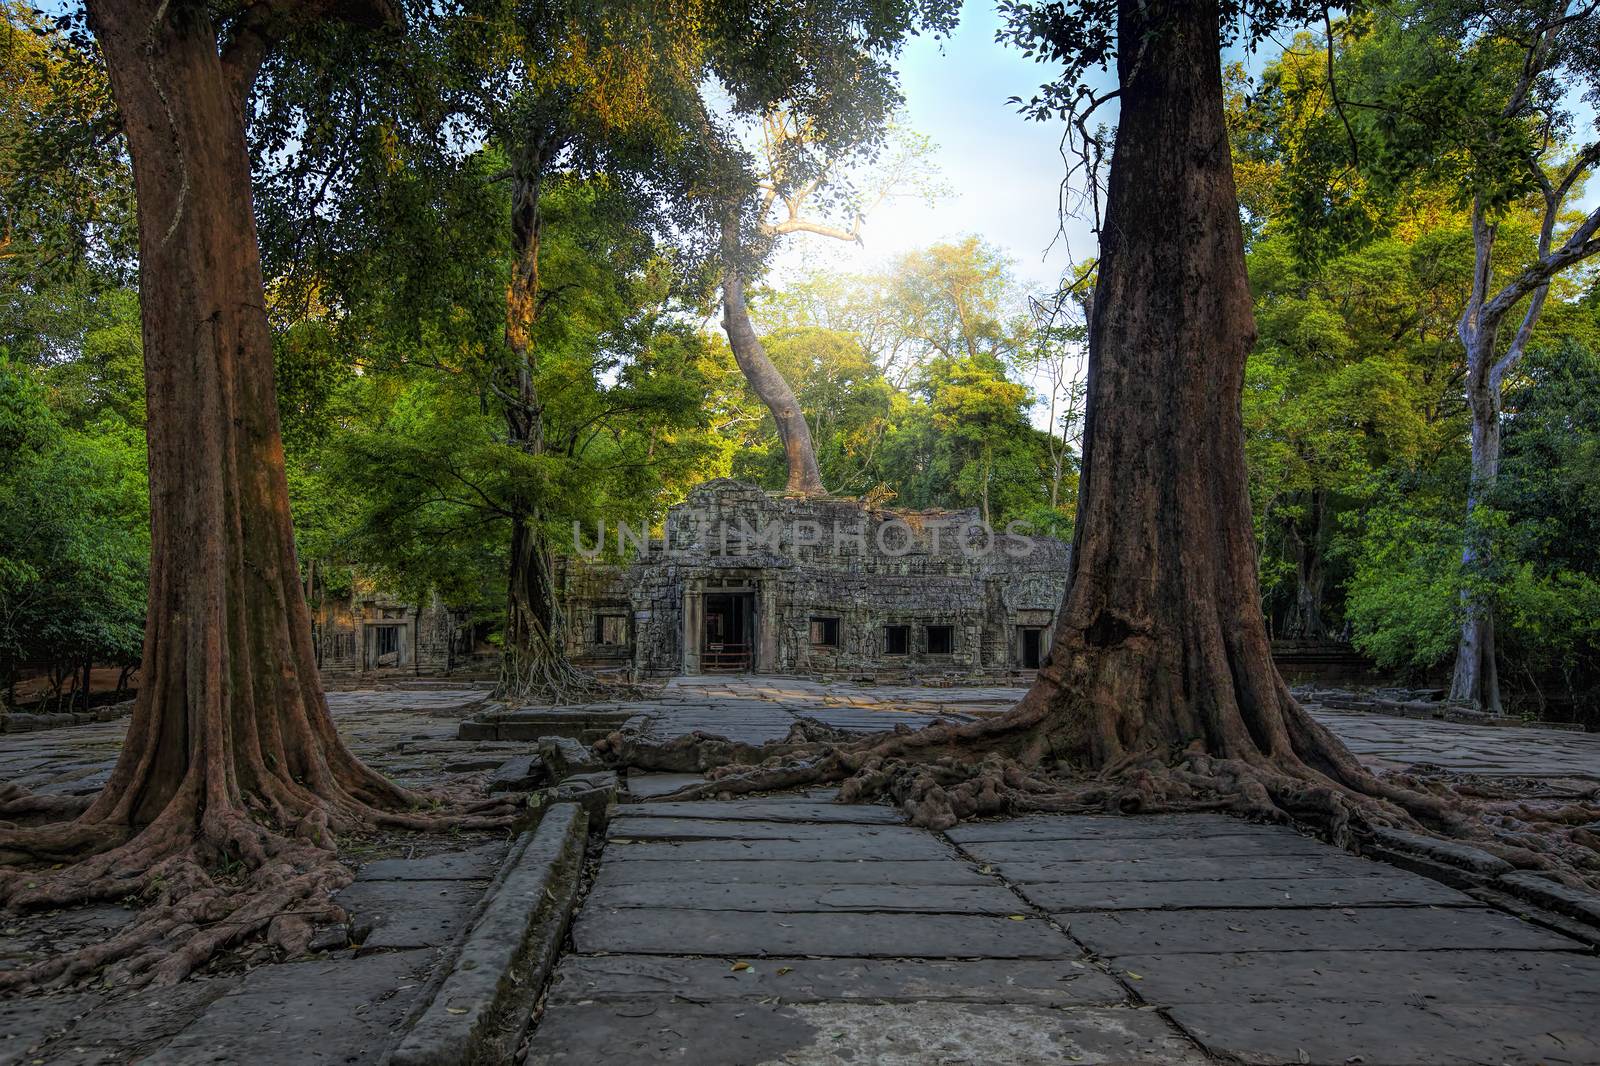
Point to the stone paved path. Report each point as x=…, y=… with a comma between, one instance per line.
x=790, y=931
x=756, y=709
x=1059, y=940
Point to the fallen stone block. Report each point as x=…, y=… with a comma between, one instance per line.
x=520, y=773
x=1449, y=852
x=482, y=1008
x=565, y=756
x=1572, y=902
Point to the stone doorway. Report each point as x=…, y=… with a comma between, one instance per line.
x=727, y=639
x=1030, y=646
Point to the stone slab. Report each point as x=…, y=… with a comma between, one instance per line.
x=624, y=827
x=326, y=1011
x=120, y=1029
x=1111, y=827
x=773, y=810
x=833, y=1034
x=846, y=846
x=408, y=914
x=474, y=864
x=25, y=1024
x=1163, y=850
x=619, y=868
x=487, y=998
x=1333, y=864
x=846, y=935
x=647, y=785
x=1347, y=929
x=933, y=899
x=1531, y=978
x=1400, y=889
x=798, y=980
x=1331, y=1033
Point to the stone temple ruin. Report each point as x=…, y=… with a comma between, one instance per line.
x=744, y=581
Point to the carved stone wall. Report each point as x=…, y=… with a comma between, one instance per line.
x=740, y=579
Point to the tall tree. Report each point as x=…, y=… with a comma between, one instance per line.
x=1553, y=46
x=231, y=754
x=1159, y=689
x=801, y=165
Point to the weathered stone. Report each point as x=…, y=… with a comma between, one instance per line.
x=694, y=932
x=618, y=869
x=1395, y=1033
x=518, y=774
x=26, y=1024
x=474, y=864
x=874, y=592
x=835, y=1034
x=1398, y=889
x=1110, y=827
x=327, y=1011
x=565, y=756
x=1283, y=847
x=932, y=899
x=1445, y=851
x=1532, y=978
x=1350, y=929
x=626, y=827
x=482, y=1008
x=1572, y=902
x=848, y=845
x=763, y=810
x=389, y=915
x=645, y=786
x=1332, y=864
x=798, y=980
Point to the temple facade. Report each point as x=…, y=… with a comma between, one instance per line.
x=745, y=581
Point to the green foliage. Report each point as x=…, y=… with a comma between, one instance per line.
x=66, y=195
x=909, y=380
x=74, y=533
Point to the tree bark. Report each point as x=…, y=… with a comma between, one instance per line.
x=1161, y=644
x=231, y=754
x=533, y=661
x=1305, y=540
x=805, y=479
x=1476, y=679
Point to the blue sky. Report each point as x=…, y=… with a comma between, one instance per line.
x=1002, y=170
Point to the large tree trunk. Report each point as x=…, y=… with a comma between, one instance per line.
x=1161, y=643
x=231, y=754
x=1160, y=691
x=533, y=661
x=1476, y=680
x=805, y=479
x=1305, y=540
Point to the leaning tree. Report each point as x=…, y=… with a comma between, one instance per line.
x=1159, y=691
x=799, y=163
x=232, y=781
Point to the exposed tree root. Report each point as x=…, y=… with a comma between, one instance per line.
x=551, y=680
x=209, y=875
x=949, y=772
x=18, y=805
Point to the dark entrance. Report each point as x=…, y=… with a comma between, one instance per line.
x=1032, y=637
x=728, y=639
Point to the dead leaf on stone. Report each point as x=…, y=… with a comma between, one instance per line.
x=740, y=967
x=455, y=1010
x=1136, y=977
x=1017, y=917
x=785, y=969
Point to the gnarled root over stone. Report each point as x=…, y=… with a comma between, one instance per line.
x=206, y=876
x=948, y=772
